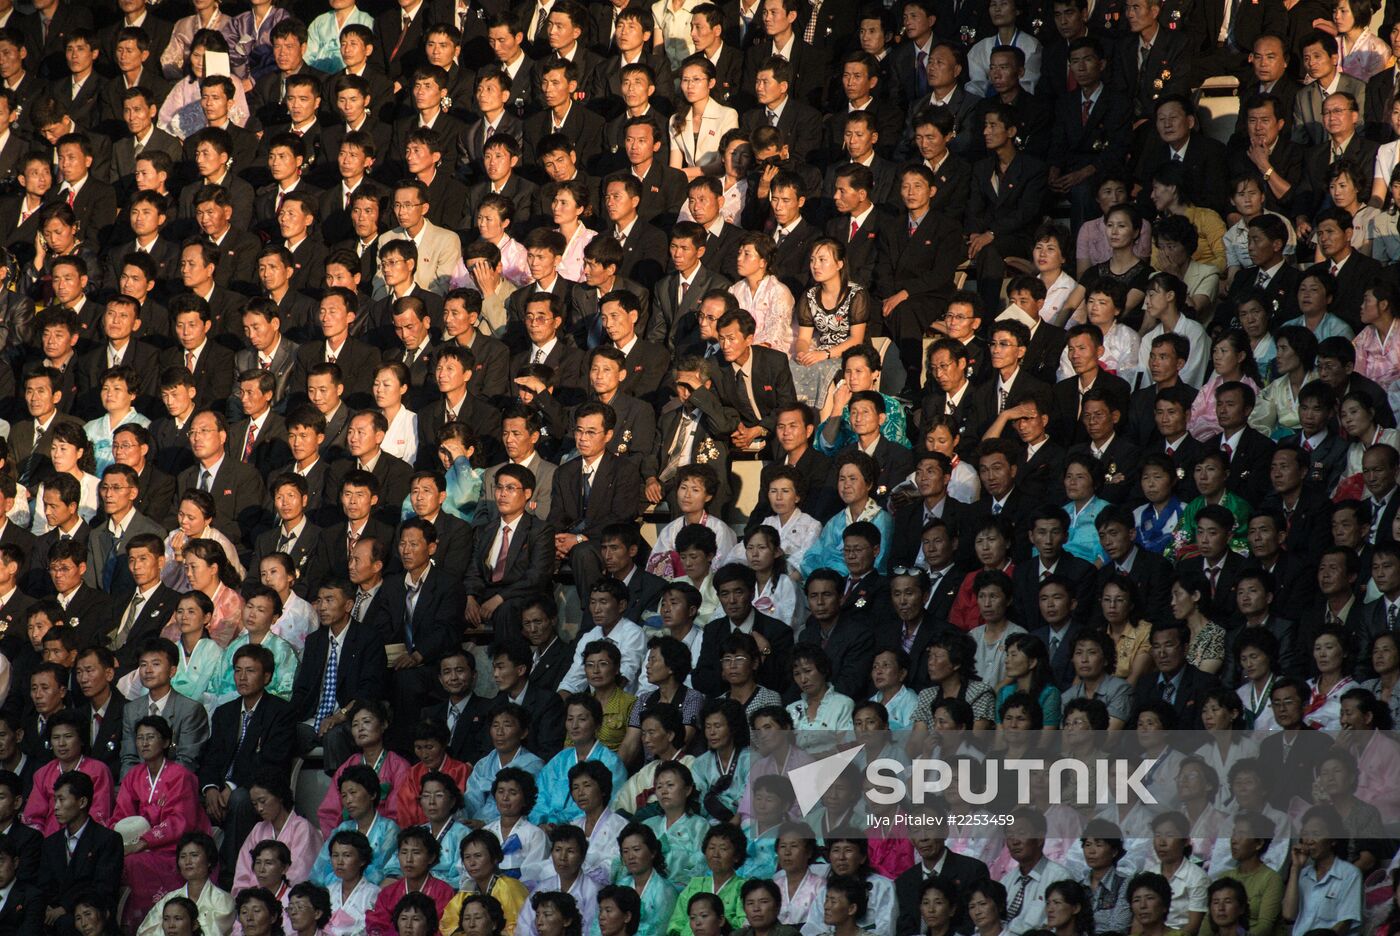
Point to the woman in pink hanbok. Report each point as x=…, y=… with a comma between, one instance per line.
x=166, y=795
x=272, y=799
x=798, y=877
x=367, y=724
x=66, y=738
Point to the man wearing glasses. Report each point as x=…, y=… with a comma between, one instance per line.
x=106, y=565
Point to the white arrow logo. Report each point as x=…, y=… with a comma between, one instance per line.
x=811, y=781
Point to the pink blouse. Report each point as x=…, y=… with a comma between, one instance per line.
x=302, y=839
x=1379, y=358
x=771, y=305
x=171, y=803
x=38, y=809
x=392, y=770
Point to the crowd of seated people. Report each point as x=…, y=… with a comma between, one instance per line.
x=458, y=459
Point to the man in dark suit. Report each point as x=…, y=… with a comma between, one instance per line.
x=46, y=37
x=1150, y=572
x=754, y=382
x=915, y=264
x=1254, y=597
x=22, y=911
x=1247, y=451
x=1092, y=129
x=808, y=61
x=1342, y=125
x=146, y=607
x=100, y=704
x=1269, y=75
x=1048, y=532
x=678, y=294
x=295, y=535
x=91, y=865
x=735, y=586
x=513, y=669
x=849, y=644
x=237, y=489
x=936, y=860
x=584, y=502
x=932, y=471
x=859, y=224
x=1266, y=149
x=259, y=438
x=360, y=667
x=1217, y=567
x=364, y=439
x=248, y=736
x=466, y=714
x=132, y=445
x=1292, y=754
x=800, y=123
x=31, y=439
x=195, y=323
x=424, y=606
x=1101, y=413
x=1176, y=682
x=356, y=359
x=1151, y=62
x=1351, y=270
x=1085, y=348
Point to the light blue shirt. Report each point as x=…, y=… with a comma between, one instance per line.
x=449, y=863
x=1329, y=327
x=554, y=804
x=383, y=838
x=900, y=708
x=477, y=801
x=1324, y=903
x=323, y=39
x=827, y=551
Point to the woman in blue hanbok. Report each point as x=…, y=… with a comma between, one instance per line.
x=117, y=400
x=856, y=474
x=722, y=773
x=888, y=671
x=359, y=795
x=679, y=829
x=439, y=801
x=821, y=716
x=507, y=751
x=260, y=611
x=582, y=716
x=1083, y=477
x=644, y=870
x=590, y=786
x=200, y=654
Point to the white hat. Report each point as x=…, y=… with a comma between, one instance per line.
x=131, y=829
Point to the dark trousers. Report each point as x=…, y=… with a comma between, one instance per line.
x=336, y=746
x=586, y=564
x=238, y=822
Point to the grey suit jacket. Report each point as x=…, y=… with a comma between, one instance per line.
x=486, y=512
x=282, y=363
x=1307, y=109
x=189, y=723
x=103, y=546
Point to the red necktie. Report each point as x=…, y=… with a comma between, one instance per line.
x=248, y=445
x=1307, y=445
x=498, y=571
x=1084, y=113
x=70, y=198
x=855, y=226
x=1229, y=452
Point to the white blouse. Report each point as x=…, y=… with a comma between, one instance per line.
x=401, y=440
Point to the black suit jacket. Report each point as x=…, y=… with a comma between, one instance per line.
x=809, y=68
x=1101, y=141
x=960, y=871
x=271, y=455
x=1065, y=427
x=800, y=123
x=238, y=498
x=861, y=250
x=106, y=745
x=1190, y=691
x=1249, y=465
x=1152, y=574
x=267, y=745
x=437, y=615
x=213, y=371
x=616, y=496
x=772, y=387
x=1317, y=160
x=470, y=740
x=921, y=264
x=309, y=553
x=357, y=361
x=361, y=671
x=583, y=127
x=851, y=648
x=1026, y=597
x=775, y=670
x=546, y=711
x=95, y=867
x=155, y=614
x=29, y=843
x=1357, y=273
x=1205, y=165
x=1167, y=70
x=674, y=323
